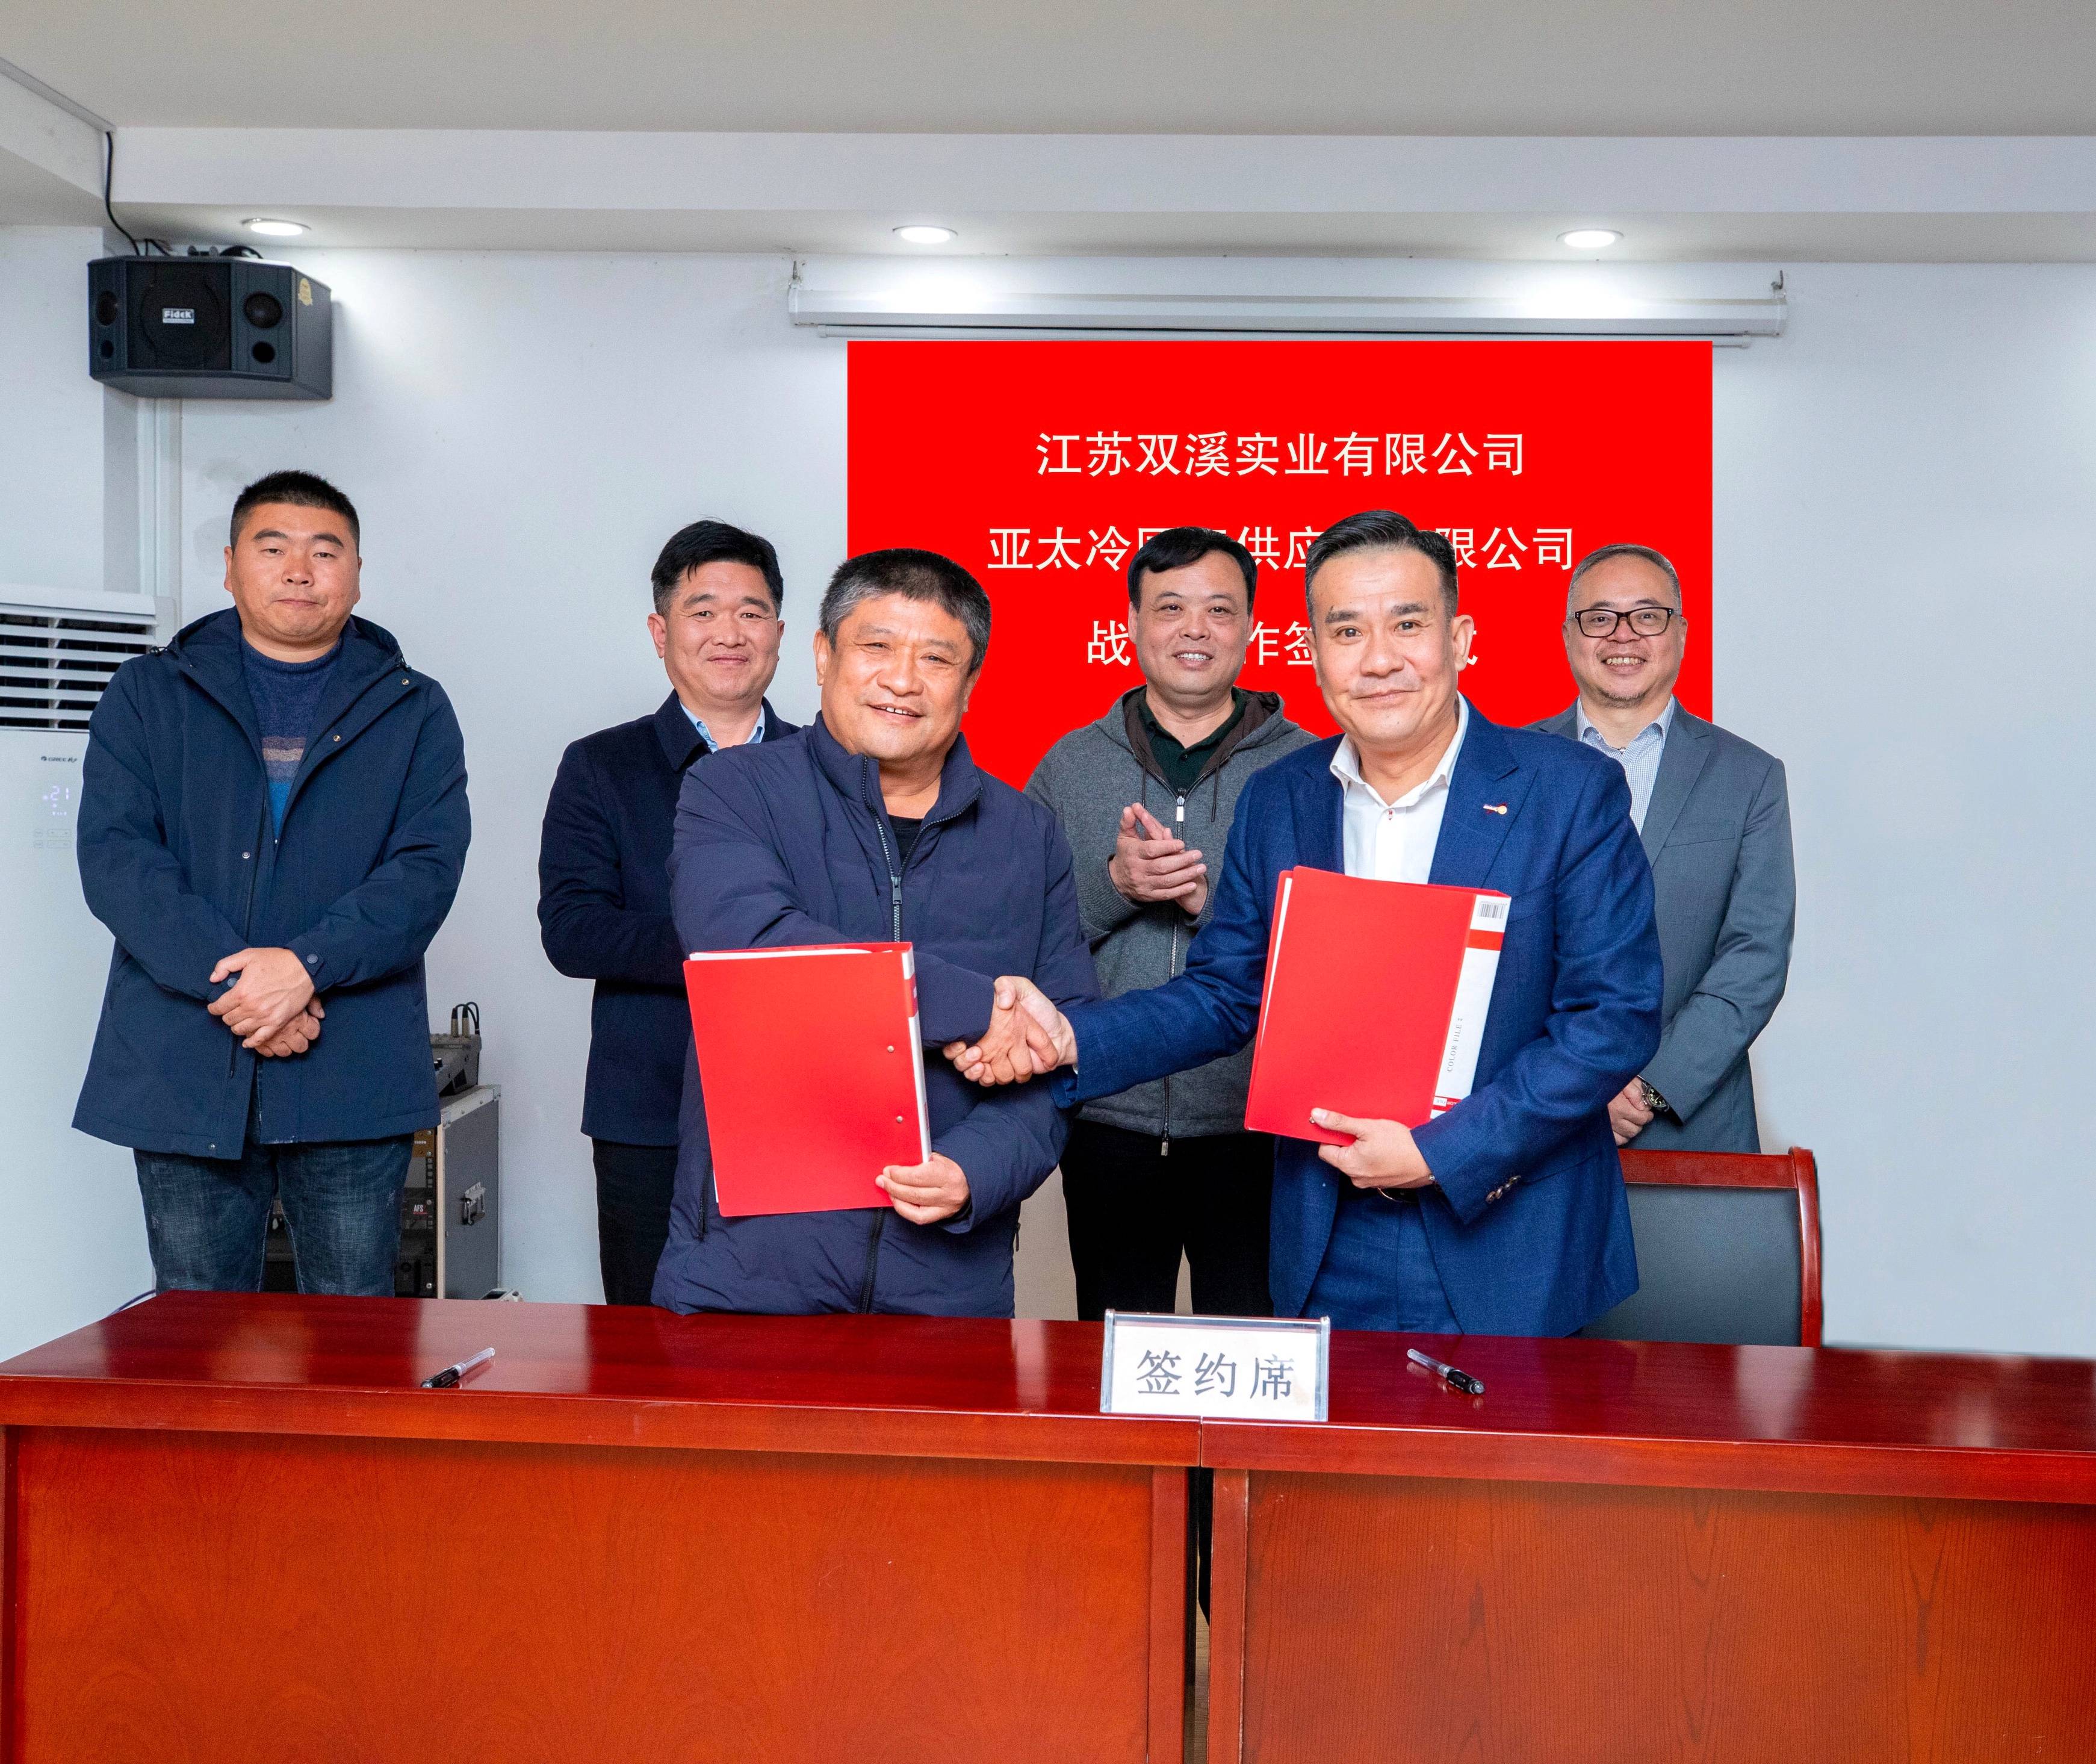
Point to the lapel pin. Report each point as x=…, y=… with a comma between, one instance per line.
x=1495, y=808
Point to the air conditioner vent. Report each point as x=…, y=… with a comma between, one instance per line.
x=54, y=665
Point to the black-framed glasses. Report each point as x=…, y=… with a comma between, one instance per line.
x=1644, y=621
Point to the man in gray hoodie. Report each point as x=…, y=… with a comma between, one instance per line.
x=1143, y=795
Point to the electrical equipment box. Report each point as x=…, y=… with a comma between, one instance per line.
x=450, y=1223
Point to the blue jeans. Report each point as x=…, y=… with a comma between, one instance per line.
x=207, y=1218
x=1378, y=1271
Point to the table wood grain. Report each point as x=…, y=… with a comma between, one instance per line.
x=235, y=1530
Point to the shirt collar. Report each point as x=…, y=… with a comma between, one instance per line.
x=1239, y=698
x=1592, y=736
x=706, y=734
x=1346, y=763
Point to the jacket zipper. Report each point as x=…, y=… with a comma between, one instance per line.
x=895, y=931
x=247, y=911
x=1172, y=970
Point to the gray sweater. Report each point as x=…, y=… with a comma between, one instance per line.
x=1087, y=779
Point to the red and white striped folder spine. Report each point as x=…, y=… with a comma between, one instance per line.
x=917, y=1053
x=1473, y=997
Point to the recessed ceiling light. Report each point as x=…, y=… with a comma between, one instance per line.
x=914, y=235
x=1589, y=238
x=275, y=229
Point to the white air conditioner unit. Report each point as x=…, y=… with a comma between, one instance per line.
x=1336, y=297
x=72, y=1240
x=58, y=652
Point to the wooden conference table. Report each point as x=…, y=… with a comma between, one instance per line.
x=235, y=1530
x=1641, y=1553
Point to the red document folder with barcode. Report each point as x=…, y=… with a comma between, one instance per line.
x=1375, y=1001
x=813, y=1073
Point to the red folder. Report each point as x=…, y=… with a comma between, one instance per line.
x=813, y=1071
x=1375, y=1001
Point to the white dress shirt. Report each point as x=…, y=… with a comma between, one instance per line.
x=1394, y=842
x=1640, y=760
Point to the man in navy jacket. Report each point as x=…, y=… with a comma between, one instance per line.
x=604, y=873
x=273, y=824
x=1505, y=1215
x=874, y=825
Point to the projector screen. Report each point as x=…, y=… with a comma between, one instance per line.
x=1042, y=467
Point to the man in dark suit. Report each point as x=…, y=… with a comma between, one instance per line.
x=1714, y=813
x=1505, y=1215
x=604, y=874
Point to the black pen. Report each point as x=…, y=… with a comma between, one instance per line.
x=451, y=1375
x=1462, y=1381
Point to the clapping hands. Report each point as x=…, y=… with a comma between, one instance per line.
x=1149, y=864
x=1027, y=1036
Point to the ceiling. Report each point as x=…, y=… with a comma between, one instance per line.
x=1174, y=67
x=1933, y=130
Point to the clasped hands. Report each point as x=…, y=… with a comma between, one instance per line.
x=272, y=1006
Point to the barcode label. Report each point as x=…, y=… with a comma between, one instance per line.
x=1490, y=913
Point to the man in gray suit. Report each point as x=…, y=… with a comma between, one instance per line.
x=1714, y=815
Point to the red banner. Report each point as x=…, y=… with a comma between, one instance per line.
x=1043, y=466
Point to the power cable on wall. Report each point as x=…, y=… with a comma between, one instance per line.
x=108, y=176
x=138, y=244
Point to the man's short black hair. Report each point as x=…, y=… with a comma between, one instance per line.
x=714, y=541
x=1176, y=547
x=1380, y=529
x=916, y=575
x=301, y=490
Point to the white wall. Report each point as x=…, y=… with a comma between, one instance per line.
x=1906, y=501
x=67, y=497
x=72, y=1241
x=1902, y=601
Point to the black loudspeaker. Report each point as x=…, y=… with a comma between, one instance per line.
x=208, y=327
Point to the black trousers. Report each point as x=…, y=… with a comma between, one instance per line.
x=1135, y=1209
x=634, y=1184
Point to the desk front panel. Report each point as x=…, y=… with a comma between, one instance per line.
x=234, y=1599
x=1393, y=1619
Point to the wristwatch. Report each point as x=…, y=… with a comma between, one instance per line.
x=1652, y=1099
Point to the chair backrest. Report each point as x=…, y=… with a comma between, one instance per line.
x=1727, y=1248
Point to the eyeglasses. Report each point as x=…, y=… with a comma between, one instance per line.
x=1644, y=621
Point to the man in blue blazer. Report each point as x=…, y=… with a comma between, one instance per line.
x=1506, y=1215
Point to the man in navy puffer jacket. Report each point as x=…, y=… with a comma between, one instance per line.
x=875, y=825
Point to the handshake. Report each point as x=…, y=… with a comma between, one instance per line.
x=1027, y=1036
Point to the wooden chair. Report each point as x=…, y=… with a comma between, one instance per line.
x=1728, y=1247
